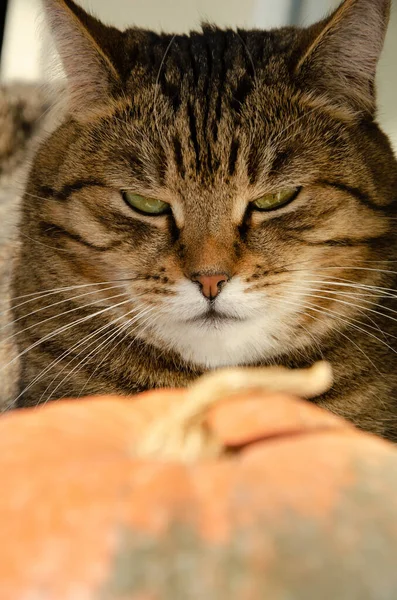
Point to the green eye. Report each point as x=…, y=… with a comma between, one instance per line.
x=146, y=206
x=273, y=201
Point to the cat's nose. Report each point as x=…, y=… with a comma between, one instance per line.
x=211, y=285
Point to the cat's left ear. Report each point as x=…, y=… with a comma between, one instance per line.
x=339, y=56
x=88, y=50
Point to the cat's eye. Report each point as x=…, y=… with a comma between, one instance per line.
x=277, y=200
x=146, y=206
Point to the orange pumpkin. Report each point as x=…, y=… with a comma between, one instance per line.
x=300, y=505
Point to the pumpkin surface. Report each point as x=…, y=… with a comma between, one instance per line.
x=301, y=506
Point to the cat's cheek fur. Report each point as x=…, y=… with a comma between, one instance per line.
x=260, y=327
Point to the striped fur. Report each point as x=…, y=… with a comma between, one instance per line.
x=209, y=122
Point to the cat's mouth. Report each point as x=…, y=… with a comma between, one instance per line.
x=214, y=316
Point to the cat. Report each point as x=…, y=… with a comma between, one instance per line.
x=221, y=198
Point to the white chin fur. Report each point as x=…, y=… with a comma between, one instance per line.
x=264, y=332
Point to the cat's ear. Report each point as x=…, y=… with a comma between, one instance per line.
x=87, y=49
x=339, y=55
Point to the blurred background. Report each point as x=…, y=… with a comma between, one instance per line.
x=27, y=53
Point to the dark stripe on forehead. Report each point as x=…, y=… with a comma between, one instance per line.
x=358, y=194
x=161, y=163
x=221, y=87
x=243, y=89
x=253, y=163
x=170, y=79
x=193, y=66
x=233, y=156
x=178, y=156
x=193, y=134
x=280, y=162
x=247, y=52
x=136, y=164
x=207, y=83
x=69, y=188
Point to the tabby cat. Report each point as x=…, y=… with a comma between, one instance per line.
x=218, y=198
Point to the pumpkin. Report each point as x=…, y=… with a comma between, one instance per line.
x=298, y=505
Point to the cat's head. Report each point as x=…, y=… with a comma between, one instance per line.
x=234, y=182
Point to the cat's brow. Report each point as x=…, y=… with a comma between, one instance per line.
x=58, y=231
x=363, y=198
x=70, y=188
x=346, y=242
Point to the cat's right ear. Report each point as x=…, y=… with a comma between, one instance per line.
x=87, y=50
x=339, y=56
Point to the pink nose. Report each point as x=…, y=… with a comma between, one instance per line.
x=211, y=285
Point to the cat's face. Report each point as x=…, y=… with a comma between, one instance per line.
x=227, y=187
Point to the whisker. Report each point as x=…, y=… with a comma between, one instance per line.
x=306, y=114
x=315, y=342
x=356, y=295
x=58, y=315
x=58, y=303
x=54, y=363
x=61, y=330
x=249, y=56
x=338, y=332
x=67, y=353
x=362, y=310
x=373, y=291
x=126, y=333
x=40, y=243
x=157, y=86
x=365, y=309
x=352, y=342
x=337, y=282
x=361, y=269
x=43, y=198
x=61, y=289
x=338, y=316
x=373, y=302
x=87, y=357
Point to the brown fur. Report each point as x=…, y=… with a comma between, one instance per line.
x=24, y=113
x=210, y=122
